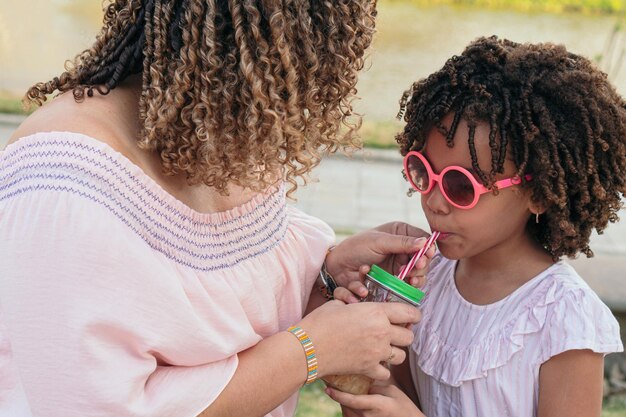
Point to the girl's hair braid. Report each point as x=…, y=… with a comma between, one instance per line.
x=553, y=112
x=235, y=91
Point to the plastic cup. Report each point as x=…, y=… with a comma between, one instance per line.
x=382, y=287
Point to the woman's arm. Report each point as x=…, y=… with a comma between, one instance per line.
x=275, y=368
x=268, y=373
x=279, y=360
x=570, y=385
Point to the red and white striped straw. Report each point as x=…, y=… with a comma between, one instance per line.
x=418, y=255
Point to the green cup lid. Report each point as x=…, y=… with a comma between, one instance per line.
x=400, y=288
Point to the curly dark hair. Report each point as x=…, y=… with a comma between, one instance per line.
x=233, y=91
x=553, y=112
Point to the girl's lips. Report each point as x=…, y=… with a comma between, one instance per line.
x=443, y=235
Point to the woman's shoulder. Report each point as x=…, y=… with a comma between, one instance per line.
x=69, y=143
x=75, y=175
x=83, y=149
x=96, y=117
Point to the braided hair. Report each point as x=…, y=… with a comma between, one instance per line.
x=234, y=91
x=553, y=112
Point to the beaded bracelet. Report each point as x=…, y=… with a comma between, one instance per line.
x=309, y=351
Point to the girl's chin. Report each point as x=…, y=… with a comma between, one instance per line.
x=448, y=252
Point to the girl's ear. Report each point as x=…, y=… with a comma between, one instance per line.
x=536, y=210
x=536, y=207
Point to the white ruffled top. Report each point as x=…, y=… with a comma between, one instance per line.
x=483, y=360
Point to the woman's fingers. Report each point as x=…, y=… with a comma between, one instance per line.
x=417, y=275
x=379, y=372
x=400, y=336
x=389, y=244
x=357, y=338
x=396, y=357
x=358, y=288
x=417, y=281
x=400, y=313
x=345, y=295
x=353, y=294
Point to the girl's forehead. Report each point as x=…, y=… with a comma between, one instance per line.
x=437, y=142
x=440, y=155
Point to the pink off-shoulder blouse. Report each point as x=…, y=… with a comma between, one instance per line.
x=116, y=299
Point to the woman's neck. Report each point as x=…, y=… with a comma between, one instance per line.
x=114, y=119
x=199, y=197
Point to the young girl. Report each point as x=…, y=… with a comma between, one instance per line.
x=518, y=152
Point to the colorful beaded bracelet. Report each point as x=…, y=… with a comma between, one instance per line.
x=309, y=351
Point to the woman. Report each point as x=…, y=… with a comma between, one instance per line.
x=150, y=264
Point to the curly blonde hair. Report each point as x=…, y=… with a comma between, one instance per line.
x=233, y=91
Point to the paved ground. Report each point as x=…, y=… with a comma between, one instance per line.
x=357, y=193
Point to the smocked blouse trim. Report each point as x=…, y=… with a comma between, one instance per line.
x=76, y=164
x=453, y=365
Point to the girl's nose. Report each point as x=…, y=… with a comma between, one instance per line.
x=435, y=201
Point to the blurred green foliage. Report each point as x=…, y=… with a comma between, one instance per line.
x=10, y=104
x=380, y=134
x=552, y=6
x=315, y=403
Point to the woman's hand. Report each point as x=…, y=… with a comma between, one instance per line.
x=357, y=338
x=348, y=295
x=382, y=401
x=390, y=246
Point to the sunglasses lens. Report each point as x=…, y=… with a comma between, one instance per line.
x=458, y=188
x=417, y=173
